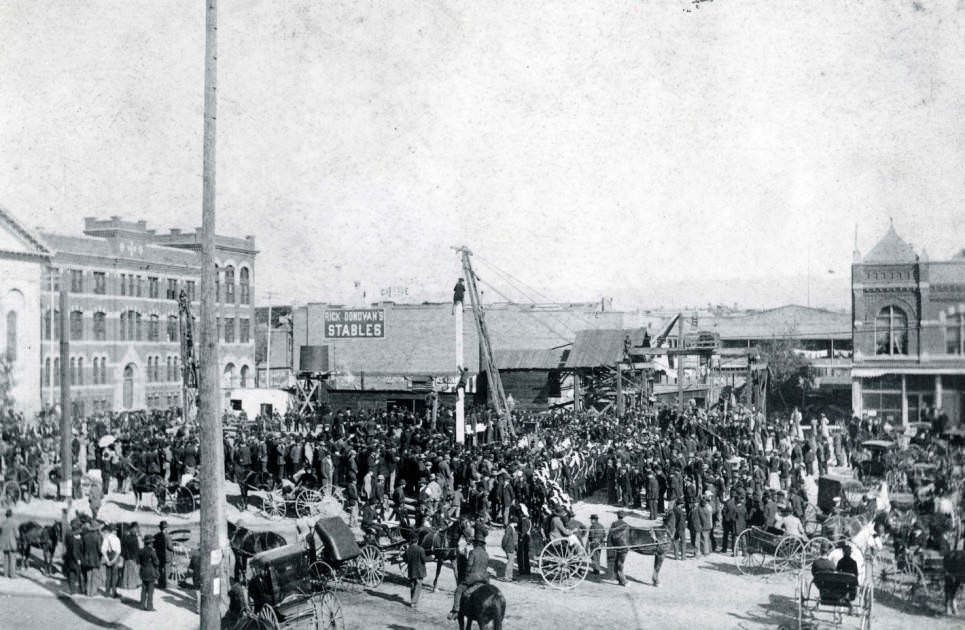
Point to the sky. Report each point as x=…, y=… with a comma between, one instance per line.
x=651, y=151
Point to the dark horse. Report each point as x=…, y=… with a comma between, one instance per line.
x=483, y=605
x=441, y=545
x=954, y=563
x=32, y=535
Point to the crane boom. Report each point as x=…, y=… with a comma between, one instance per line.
x=189, y=362
x=496, y=393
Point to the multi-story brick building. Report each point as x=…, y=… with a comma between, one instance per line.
x=123, y=282
x=908, y=333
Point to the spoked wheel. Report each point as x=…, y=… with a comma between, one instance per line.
x=274, y=506
x=163, y=498
x=748, y=554
x=867, y=604
x=562, y=564
x=182, y=500
x=321, y=577
x=328, y=612
x=789, y=555
x=11, y=492
x=267, y=613
x=816, y=548
x=370, y=565
x=811, y=524
x=306, y=503
x=915, y=587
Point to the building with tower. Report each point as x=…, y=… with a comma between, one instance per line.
x=908, y=333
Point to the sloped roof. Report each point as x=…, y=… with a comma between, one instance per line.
x=595, y=348
x=28, y=236
x=891, y=249
x=528, y=359
x=90, y=246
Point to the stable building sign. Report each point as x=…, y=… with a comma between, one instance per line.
x=355, y=323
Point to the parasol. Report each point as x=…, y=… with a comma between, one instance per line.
x=105, y=441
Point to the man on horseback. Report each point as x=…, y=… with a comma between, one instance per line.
x=477, y=572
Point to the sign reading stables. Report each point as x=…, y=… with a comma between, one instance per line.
x=355, y=323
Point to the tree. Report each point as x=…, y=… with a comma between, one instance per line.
x=789, y=372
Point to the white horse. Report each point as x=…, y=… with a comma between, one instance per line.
x=865, y=545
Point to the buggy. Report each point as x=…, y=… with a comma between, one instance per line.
x=337, y=559
x=284, y=593
x=755, y=544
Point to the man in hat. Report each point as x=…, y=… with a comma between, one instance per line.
x=619, y=540
x=149, y=573
x=791, y=524
x=415, y=560
x=595, y=540
x=9, y=535
x=162, y=545
x=112, y=560
x=477, y=572
x=90, y=557
x=458, y=294
x=525, y=532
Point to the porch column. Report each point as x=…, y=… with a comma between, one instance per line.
x=904, y=400
x=938, y=391
x=857, y=405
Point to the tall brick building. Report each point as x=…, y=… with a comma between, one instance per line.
x=908, y=332
x=123, y=281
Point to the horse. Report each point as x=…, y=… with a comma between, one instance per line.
x=441, y=545
x=32, y=535
x=483, y=604
x=865, y=545
x=142, y=482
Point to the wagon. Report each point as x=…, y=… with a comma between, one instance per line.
x=564, y=562
x=285, y=594
x=337, y=558
x=875, y=465
x=758, y=549
x=301, y=498
x=834, y=596
x=837, y=496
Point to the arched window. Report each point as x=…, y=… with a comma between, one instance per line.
x=229, y=376
x=80, y=370
x=244, y=376
x=217, y=283
x=95, y=374
x=46, y=375
x=140, y=327
x=891, y=331
x=245, y=285
x=154, y=328
x=12, y=335
x=128, y=386
x=57, y=372
x=73, y=371
x=172, y=328
x=46, y=324
x=229, y=284
x=100, y=326
x=123, y=326
x=76, y=325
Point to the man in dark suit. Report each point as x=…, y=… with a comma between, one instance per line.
x=162, y=545
x=148, y=562
x=90, y=557
x=415, y=559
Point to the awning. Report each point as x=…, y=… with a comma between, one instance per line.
x=878, y=372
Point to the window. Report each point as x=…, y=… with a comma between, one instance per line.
x=94, y=374
x=217, y=324
x=128, y=386
x=217, y=284
x=229, y=329
x=169, y=373
x=80, y=370
x=73, y=371
x=123, y=326
x=245, y=286
x=12, y=335
x=140, y=327
x=46, y=325
x=172, y=288
x=244, y=376
x=76, y=325
x=172, y=328
x=123, y=284
x=57, y=372
x=229, y=284
x=150, y=369
x=154, y=328
x=45, y=377
x=100, y=282
x=891, y=331
x=100, y=326
x=152, y=287
x=190, y=290
x=139, y=286
x=76, y=281
x=244, y=330
x=52, y=281
x=955, y=334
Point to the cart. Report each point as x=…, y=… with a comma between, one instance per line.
x=284, y=592
x=564, y=562
x=337, y=558
x=876, y=462
x=837, y=497
x=301, y=498
x=833, y=597
x=759, y=550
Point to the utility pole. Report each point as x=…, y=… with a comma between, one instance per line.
x=457, y=307
x=620, y=407
x=268, y=358
x=66, y=467
x=214, y=529
x=680, y=362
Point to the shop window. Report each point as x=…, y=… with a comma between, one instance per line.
x=891, y=331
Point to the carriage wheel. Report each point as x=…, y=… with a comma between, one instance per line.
x=789, y=555
x=321, y=577
x=11, y=492
x=370, y=565
x=811, y=524
x=867, y=604
x=914, y=585
x=164, y=499
x=332, y=493
x=328, y=612
x=182, y=500
x=749, y=556
x=563, y=565
x=274, y=506
x=816, y=548
x=306, y=503
x=267, y=613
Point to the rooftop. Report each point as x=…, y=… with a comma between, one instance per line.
x=104, y=248
x=891, y=249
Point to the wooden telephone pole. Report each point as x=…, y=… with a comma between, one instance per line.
x=214, y=528
x=66, y=452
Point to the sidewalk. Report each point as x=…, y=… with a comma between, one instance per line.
x=174, y=608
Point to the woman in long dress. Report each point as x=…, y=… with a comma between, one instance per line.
x=130, y=546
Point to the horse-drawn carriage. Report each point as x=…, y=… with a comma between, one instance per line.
x=302, y=496
x=19, y=484
x=564, y=562
x=838, y=498
x=759, y=549
x=287, y=595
